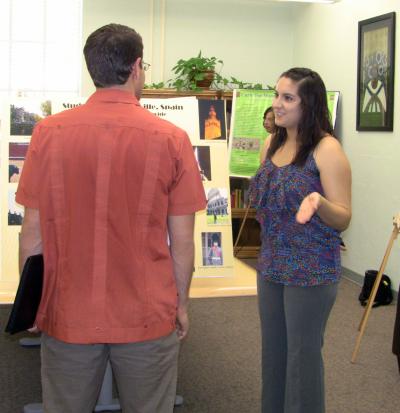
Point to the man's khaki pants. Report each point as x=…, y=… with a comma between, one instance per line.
x=145, y=373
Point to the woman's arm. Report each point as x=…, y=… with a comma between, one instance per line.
x=334, y=208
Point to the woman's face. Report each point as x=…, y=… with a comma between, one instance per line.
x=269, y=123
x=286, y=105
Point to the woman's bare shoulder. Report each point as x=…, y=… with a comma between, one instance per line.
x=328, y=145
x=329, y=151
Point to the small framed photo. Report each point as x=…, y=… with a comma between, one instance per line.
x=375, y=73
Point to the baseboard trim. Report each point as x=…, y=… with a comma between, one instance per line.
x=353, y=276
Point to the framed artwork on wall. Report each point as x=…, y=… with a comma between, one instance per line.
x=375, y=73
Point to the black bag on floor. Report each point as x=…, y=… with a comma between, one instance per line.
x=384, y=296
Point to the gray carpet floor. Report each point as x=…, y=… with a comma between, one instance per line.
x=219, y=368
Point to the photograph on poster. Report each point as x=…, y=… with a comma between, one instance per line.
x=25, y=115
x=212, y=122
x=16, y=155
x=15, y=211
x=212, y=248
x=217, y=206
x=246, y=144
x=202, y=155
x=375, y=73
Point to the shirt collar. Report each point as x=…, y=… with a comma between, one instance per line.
x=111, y=95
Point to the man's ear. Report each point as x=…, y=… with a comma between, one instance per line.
x=137, y=67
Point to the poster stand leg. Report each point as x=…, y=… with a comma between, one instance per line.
x=235, y=247
x=105, y=401
x=30, y=342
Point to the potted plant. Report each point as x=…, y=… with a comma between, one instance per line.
x=195, y=73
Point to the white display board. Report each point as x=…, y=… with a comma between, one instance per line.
x=213, y=232
x=18, y=119
x=213, y=228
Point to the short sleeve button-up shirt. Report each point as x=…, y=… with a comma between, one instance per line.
x=104, y=177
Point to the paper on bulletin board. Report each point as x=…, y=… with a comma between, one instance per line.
x=182, y=112
x=59, y=105
x=213, y=229
x=213, y=232
x=247, y=134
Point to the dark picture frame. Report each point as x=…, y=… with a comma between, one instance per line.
x=375, y=73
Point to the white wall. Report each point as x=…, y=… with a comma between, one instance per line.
x=96, y=13
x=326, y=40
x=253, y=38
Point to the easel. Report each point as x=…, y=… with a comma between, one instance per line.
x=364, y=319
x=235, y=247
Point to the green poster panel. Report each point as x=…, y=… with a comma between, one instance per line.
x=247, y=135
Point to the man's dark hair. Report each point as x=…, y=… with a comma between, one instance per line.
x=315, y=119
x=267, y=111
x=110, y=52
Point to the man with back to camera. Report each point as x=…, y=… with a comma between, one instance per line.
x=102, y=185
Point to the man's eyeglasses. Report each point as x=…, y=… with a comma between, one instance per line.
x=146, y=66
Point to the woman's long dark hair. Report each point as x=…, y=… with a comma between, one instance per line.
x=315, y=121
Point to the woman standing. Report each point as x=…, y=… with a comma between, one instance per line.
x=269, y=126
x=302, y=193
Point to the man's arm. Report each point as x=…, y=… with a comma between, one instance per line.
x=180, y=229
x=30, y=241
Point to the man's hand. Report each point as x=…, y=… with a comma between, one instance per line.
x=182, y=322
x=308, y=207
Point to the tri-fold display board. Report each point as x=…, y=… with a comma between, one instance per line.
x=205, y=123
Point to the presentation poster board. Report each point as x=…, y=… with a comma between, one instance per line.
x=213, y=227
x=247, y=134
x=213, y=233
x=182, y=112
x=18, y=118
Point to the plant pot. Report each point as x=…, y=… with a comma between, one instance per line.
x=208, y=77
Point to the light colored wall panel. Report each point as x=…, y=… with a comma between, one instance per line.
x=255, y=40
x=134, y=13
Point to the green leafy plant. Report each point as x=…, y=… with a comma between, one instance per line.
x=221, y=82
x=160, y=85
x=191, y=72
x=199, y=72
